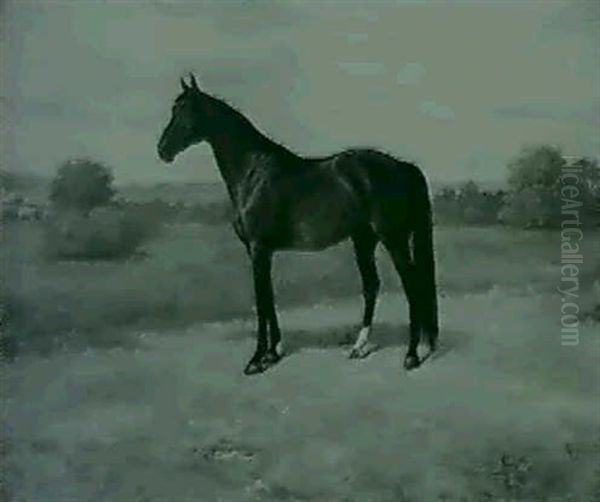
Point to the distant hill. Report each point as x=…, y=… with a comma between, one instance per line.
x=37, y=188
x=32, y=186
x=491, y=186
x=187, y=193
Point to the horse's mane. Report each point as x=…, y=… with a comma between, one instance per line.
x=245, y=125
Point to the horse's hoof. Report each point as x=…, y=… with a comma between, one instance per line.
x=362, y=351
x=433, y=344
x=432, y=349
x=270, y=358
x=254, y=367
x=411, y=362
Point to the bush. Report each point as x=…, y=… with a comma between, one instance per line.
x=535, y=166
x=104, y=233
x=467, y=205
x=213, y=213
x=81, y=185
x=535, y=198
x=531, y=208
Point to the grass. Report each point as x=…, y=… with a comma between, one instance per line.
x=152, y=406
x=196, y=272
x=503, y=414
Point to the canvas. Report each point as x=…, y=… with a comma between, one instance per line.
x=300, y=251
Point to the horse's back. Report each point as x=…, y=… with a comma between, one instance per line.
x=388, y=187
x=380, y=173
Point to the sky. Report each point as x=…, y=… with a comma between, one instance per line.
x=458, y=87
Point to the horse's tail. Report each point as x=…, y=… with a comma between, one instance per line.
x=424, y=259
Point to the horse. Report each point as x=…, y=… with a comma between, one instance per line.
x=284, y=201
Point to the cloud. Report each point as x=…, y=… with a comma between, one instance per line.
x=436, y=110
x=410, y=74
x=244, y=18
x=363, y=68
x=575, y=18
x=356, y=38
x=588, y=114
x=98, y=78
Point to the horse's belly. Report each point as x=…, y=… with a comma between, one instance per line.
x=323, y=227
x=310, y=237
x=309, y=213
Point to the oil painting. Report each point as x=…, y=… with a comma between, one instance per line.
x=330, y=251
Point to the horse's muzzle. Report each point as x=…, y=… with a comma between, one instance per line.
x=165, y=156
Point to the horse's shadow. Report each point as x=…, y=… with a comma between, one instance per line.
x=383, y=335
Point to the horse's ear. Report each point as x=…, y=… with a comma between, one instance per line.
x=184, y=86
x=193, y=82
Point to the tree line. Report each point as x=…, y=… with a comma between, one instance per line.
x=541, y=182
x=88, y=218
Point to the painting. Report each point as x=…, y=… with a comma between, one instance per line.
x=300, y=251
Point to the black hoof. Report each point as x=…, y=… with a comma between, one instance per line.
x=254, y=367
x=432, y=342
x=411, y=361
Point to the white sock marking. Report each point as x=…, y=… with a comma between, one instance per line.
x=363, y=337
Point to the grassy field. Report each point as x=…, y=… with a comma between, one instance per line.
x=127, y=385
x=201, y=273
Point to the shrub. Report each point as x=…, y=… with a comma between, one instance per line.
x=81, y=185
x=535, y=198
x=467, y=205
x=531, y=208
x=213, y=213
x=104, y=233
x=535, y=166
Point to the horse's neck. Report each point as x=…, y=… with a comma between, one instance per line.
x=233, y=145
x=232, y=156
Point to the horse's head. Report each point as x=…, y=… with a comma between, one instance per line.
x=184, y=129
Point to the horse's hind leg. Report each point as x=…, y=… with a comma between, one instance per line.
x=365, y=242
x=399, y=249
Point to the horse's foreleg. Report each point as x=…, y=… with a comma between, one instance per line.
x=274, y=346
x=265, y=312
x=364, y=249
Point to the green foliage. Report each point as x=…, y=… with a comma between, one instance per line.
x=539, y=189
x=535, y=167
x=8, y=180
x=103, y=234
x=11, y=181
x=467, y=205
x=81, y=185
x=211, y=213
x=531, y=207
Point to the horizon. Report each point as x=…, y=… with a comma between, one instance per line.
x=153, y=183
x=460, y=101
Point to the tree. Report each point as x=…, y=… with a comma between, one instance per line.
x=535, y=198
x=81, y=185
x=536, y=167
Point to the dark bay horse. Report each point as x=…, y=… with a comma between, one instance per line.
x=283, y=201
